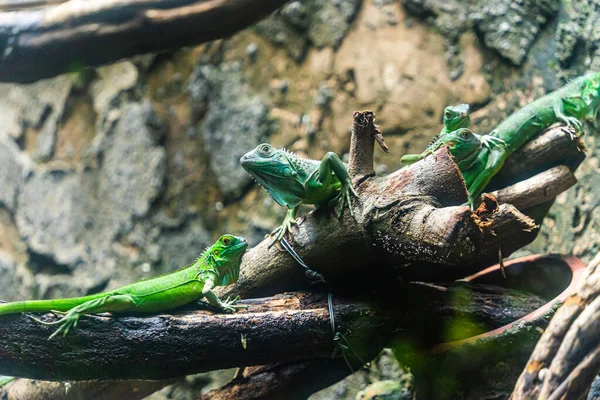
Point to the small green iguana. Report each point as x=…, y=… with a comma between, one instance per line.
x=463, y=144
x=219, y=265
x=292, y=180
x=578, y=100
x=455, y=117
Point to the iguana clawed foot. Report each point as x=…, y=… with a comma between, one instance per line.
x=229, y=306
x=344, y=196
x=285, y=227
x=67, y=322
x=572, y=121
x=491, y=141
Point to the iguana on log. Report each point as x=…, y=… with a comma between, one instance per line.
x=578, y=100
x=292, y=180
x=219, y=265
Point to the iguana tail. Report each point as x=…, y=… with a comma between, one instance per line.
x=39, y=306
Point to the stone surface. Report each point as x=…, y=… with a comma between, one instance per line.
x=14, y=165
x=84, y=210
x=236, y=120
x=35, y=106
x=511, y=27
x=506, y=26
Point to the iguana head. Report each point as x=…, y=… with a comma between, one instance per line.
x=275, y=170
x=456, y=117
x=463, y=144
x=227, y=255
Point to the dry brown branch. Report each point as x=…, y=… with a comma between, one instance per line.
x=53, y=40
x=565, y=360
x=283, y=328
x=538, y=189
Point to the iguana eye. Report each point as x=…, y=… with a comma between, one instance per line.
x=464, y=134
x=226, y=241
x=265, y=149
x=448, y=114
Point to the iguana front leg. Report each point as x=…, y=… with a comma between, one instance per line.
x=495, y=161
x=227, y=305
x=332, y=163
x=286, y=226
x=570, y=121
x=117, y=302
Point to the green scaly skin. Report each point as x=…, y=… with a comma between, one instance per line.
x=455, y=117
x=292, y=180
x=578, y=100
x=219, y=265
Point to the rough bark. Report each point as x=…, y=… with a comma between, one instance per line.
x=53, y=40
x=470, y=366
x=566, y=359
x=283, y=328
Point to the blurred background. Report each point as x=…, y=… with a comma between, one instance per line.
x=129, y=170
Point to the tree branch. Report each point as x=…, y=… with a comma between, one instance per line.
x=566, y=352
x=284, y=328
x=53, y=40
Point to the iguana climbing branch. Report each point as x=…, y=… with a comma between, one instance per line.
x=219, y=265
x=292, y=180
x=578, y=100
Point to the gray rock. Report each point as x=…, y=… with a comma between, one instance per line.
x=7, y=272
x=594, y=393
x=506, y=26
x=511, y=27
x=39, y=105
x=281, y=32
x=84, y=211
x=330, y=21
x=13, y=167
x=133, y=166
x=54, y=214
x=236, y=121
x=181, y=247
x=46, y=143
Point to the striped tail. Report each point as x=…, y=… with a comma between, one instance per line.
x=45, y=305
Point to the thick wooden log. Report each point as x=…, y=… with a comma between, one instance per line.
x=284, y=328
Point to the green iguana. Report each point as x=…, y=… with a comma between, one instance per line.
x=219, y=265
x=463, y=144
x=455, y=117
x=292, y=180
x=578, y=100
